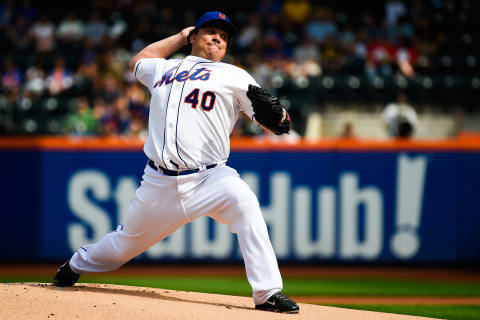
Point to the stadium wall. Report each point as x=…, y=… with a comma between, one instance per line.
x=329, y=201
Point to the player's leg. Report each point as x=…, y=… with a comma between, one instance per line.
x=153, y=215
x=225, y=197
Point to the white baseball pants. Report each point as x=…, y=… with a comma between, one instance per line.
x=162, y=204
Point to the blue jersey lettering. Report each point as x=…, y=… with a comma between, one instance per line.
x=166, y=78
x=199, y=74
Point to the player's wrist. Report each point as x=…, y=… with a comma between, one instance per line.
x=284, y=115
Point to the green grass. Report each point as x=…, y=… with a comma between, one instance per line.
x=451, y=312
x=295, y=286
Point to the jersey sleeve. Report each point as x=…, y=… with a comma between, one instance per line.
x=145, y=70
x=244, y=104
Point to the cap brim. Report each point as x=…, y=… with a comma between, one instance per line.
x=222, y=24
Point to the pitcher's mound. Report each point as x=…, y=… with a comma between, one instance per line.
x=99, y=301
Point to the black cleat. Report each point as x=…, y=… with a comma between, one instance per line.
x=279, y=303
x=65, y=277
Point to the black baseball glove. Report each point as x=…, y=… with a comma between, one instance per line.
x=268, y=110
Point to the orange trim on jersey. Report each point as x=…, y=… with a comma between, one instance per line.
x=54, y=143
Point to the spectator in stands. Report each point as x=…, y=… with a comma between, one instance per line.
x=249, y=33
x=305, y=68
x=333, y=58
x=12, y=78
x=400, y=118
x=260, y=70
x=109, y=126
x=36, y=80
x=43, y=32
x=71, y=29
x=99, y=110
x=373, y=28
x=118, y=28
x=406, y=56
x=394, y=10
x=321, y=26
x=137, y=102
x=380, y=57
x=122, y=115
x=347, y=132
x=6, y=12
x=87, y=77
x=306, y=50
x=137, y=129
x=60, y=78
x=20, y=37
x=269, y=7
x=70, y=34
x=274, y=46
x=297, y=11
x=28, y=11
x=110, y=89
x=82, y=122
x=404, y=28
x=96, y=29
x=353, y=45
x=104, y=115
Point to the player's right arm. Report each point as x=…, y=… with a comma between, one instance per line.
x=163, y=48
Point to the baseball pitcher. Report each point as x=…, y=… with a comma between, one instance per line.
x=195, y=103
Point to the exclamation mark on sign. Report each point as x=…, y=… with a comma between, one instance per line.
x=410, y=184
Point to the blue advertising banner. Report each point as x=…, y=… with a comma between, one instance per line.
x=362, y=206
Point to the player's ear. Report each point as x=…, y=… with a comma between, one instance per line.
x=191, y=37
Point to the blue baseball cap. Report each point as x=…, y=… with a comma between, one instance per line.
x=216, y=18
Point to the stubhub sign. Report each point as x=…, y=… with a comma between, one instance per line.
x=318, y=206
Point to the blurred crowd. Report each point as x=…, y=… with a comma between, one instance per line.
x=65, y=70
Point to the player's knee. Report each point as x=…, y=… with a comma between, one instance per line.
x=246, y=208
x=244, y=201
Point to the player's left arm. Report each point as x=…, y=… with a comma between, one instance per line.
x=262, y=107
x=268, y=110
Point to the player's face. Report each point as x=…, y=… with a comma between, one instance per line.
x=209, y=43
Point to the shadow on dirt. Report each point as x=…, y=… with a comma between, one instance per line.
x=138, y=292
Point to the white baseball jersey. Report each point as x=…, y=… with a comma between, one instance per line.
x=194, y=106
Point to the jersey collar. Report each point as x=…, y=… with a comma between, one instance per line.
x=197, y=59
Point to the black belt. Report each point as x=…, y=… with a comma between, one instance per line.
x=169, y=172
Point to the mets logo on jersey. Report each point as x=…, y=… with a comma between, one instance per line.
x=197, y=74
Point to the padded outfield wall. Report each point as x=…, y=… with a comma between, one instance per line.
x=330, y=201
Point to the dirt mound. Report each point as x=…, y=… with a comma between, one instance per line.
x=99, y=301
